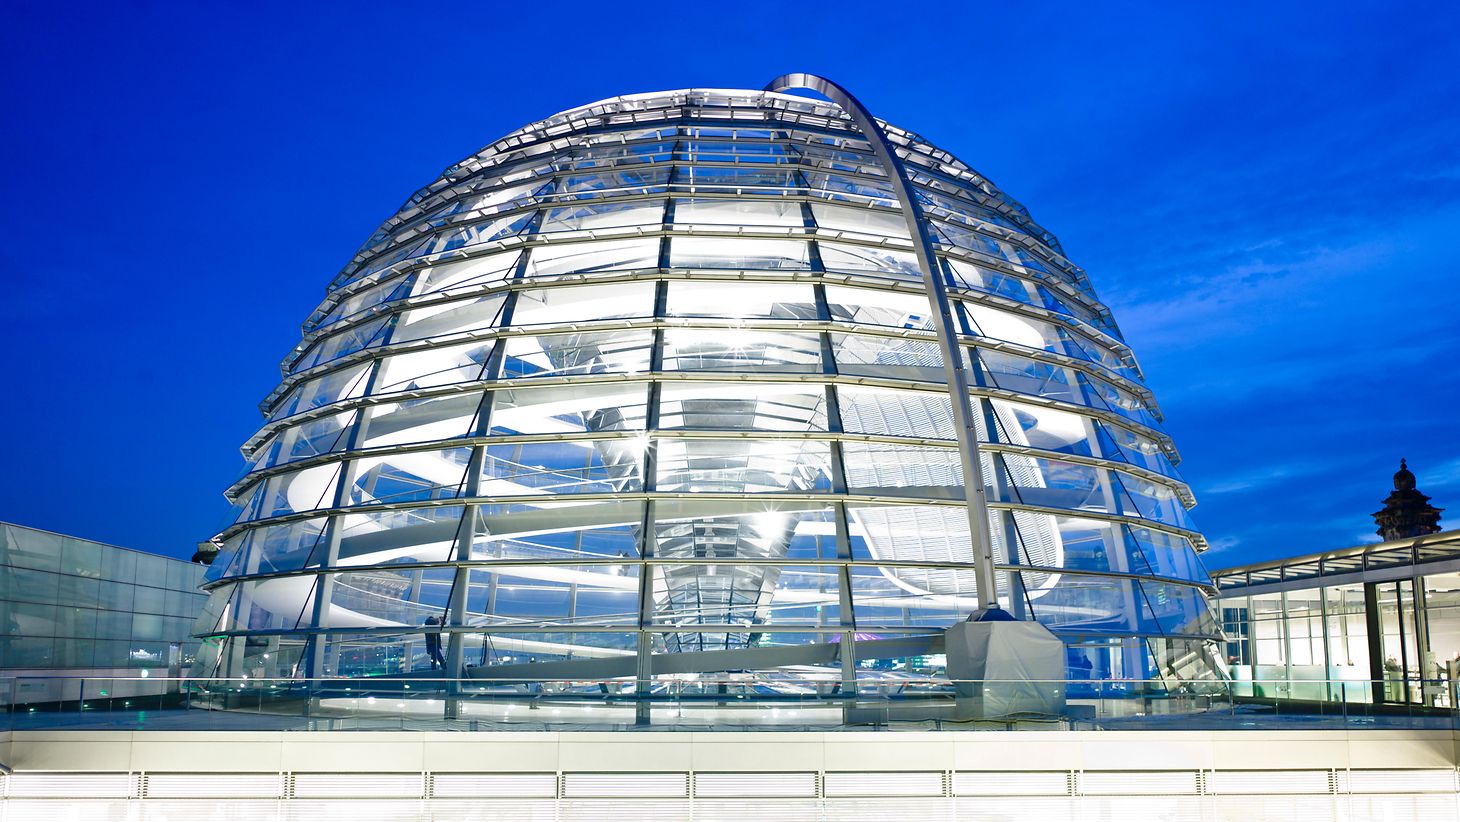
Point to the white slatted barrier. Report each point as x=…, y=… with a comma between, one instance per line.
x=495, y=785
x=359, y=785
x=1036, y=783
x=1254, y=783
x=911, y=783
x=711, y=790
x=214, y=786
x=71, y=785
x=1408, y=781
x=1137, y=783
x=755, y=785
x=665, y=785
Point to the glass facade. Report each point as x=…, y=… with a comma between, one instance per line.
x=1330, y=626
x=68, y=603
x=659, y=375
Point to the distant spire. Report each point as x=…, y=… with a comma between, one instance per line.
x=1407, y=512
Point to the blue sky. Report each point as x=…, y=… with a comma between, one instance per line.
x=1267, y=195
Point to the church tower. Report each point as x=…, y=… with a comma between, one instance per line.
x=1407, y=512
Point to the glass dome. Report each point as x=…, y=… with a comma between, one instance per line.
x=659, y=375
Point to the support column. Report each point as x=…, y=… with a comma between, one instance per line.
x=1373, y=626
x=933, y=282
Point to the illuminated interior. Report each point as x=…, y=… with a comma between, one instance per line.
x=658, y=375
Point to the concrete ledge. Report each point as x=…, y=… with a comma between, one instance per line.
x=651, y=752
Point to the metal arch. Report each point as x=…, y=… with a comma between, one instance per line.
x=957, y=375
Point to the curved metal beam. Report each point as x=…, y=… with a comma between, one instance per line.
x=956, y=373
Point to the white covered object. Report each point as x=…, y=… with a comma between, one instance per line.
x=1004, y=668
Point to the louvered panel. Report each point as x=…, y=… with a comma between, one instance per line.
x=890, y=810
x=214, y=785
x=201, y=810
x=81, y=810
x=756, y=810
x=625, y=810
x=1040, y=783
x=1026, y=809
x=755, y=784
x=1397, y=781
x=359, y=786
x=626, y=784
x=502, y=810
x=354, y=810
x=1267, y=782
x=1302, y=809
x=494, y=785
x=1164, y=808
x=913, y=783
x=72, y=785
x=1136, y=783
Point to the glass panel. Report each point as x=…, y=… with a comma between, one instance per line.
x=869, y=307
x=742, y=406
x=551, y=595
x=569, y=409
x=343, y=343
x=344, y=384
x=648, y=180
x=614, y=352
x=1014, y=328
x=1094, y=604
x=412, y=477
x=979, y=278
x=687, y=349
x=860, y=220
x=1041, y=427
x=887, y=357
x=576, y=467
x=918, y=533
x=898, y=265
x=1025, y=376
x=745, y=528
x=324, y=435
x=554, y=530
x=705, y=211
x=737, y=180
x=843, y=187
x=903, y=470
x=741, y=300
x=559, y=259
x=304, y=490
x=446, y=319
x=587, y=216
x=463, y=236
x=361, y=302
x=738, y=252
x=424, y=420
x=573, y=304
x=447, y=365
x=743, y=466
x=396, y=537
x=285, y=547
x=895, y=412
x=384, y=597
x=748, y=595
x=473, y=273
x=883, y=598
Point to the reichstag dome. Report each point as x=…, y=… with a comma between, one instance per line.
x=697, y=381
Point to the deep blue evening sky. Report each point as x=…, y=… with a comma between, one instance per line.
x=1269, y=201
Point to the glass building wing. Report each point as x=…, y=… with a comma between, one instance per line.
x=660, y=375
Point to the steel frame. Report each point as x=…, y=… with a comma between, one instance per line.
x=531, y=156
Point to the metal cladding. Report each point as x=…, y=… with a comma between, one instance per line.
x=661, y=375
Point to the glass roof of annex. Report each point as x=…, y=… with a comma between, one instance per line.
x=1386, y=560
